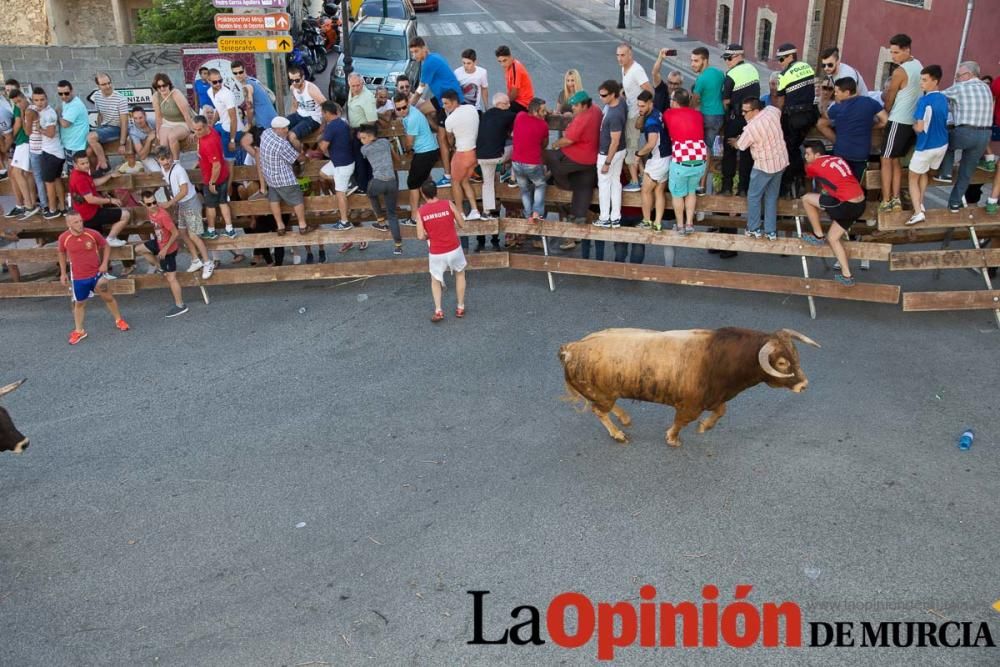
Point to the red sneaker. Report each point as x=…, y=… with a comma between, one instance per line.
x=76, y=336
x=460, y=312
x=438, y=316
x=122, y=324
x=347, y=246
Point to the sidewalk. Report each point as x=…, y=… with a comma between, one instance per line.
x=647, y=38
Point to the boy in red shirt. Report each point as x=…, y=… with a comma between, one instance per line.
x=520, y=90
x=88, y=255
x=842, y=199
x=164, y=246
x=436, y=221
x=88, y=204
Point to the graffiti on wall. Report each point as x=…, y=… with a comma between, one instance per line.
x=143, y=60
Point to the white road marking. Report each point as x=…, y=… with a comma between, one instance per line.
x=559, y=26
x=574, y=41
x=445, y=29
x=587, y=25
x=461, y=14
x=480, y=27
x=503, y=26
x=530, y=26
x=423, y=30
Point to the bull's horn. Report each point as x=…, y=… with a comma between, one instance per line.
x=765, y=362
x=11, y=387
x=802, y=337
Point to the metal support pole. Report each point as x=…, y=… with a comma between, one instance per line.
x=345, y=41
x=805, y=268
x=985, y=270
x=621, y=14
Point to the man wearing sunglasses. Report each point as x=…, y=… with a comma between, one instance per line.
x=306, y=116
x=742, y=82
x=796, y=97
x=835, y=70
x=257, y=104
x=229, y=125
x=74, y=122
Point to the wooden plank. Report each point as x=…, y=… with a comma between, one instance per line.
x=944, y=259
x=782, y=246
x=939, y=218
x=972, y=300
x=875, y=293
x=873, y=179
x=370, y=268
x=51, y=254
x=54, y=288
x=910, y=236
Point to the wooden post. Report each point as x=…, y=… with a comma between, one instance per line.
x=280, y=81
x=805, y=269
x=986, y=271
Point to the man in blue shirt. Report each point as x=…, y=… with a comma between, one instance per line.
x=436, y=76
x=420, y=145
x=74, y=121
x=849, y=123
x=201, y=88
x=931, y=125
x=336, y=142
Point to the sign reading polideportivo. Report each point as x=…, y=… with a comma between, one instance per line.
x=707, y=623
x=227, y=22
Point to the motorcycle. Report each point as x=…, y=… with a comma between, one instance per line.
x=301, y=58
x=312, y=38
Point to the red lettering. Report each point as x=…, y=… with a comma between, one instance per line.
x=793, y=624
x=555, y=621
x=709, y=617
x=606, y=638
x=668, y=623
x=647, y=617
x=751, y=620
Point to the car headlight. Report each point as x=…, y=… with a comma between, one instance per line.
x=393, y=76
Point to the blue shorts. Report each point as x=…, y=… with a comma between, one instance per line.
x=995, y=136
x=239, y=154
x=84, y=289
x=106, y=133
x=684, y=179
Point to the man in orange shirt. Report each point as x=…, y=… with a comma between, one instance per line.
x=519, y=87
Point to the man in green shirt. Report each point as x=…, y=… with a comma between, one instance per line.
x=361, y=110
x=707, y=98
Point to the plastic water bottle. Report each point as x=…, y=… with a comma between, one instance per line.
x=965, y=440
x=302, y=311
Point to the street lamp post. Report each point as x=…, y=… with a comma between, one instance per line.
x=621, y=14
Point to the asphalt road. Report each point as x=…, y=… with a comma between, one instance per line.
x=154, y=518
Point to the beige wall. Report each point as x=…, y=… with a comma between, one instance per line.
x=69, y=22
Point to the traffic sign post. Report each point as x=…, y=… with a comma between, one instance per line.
x=270, y=22
x=276, y=44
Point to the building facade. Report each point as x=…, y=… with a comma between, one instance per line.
x=860, y=28
x=70, y=22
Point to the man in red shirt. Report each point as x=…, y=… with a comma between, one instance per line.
x=164, y=246
x=842, y=199
x=88, y=203
x=530, y=137
x=572, y=157
x=215, y=176
x=519, y=87
x=436, y=221
x=88, y=255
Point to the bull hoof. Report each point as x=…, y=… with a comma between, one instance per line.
x=620, y=438
x=625, y=419
x=676, y=442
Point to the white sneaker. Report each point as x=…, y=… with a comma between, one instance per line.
x=115, y=242
x=207, y=271
x=296, y=259
x=836, y=265
x=109, y=276
x=865, y=264
x=474, y=215
x=195, y=265
x=916, y=217
x=700, y=216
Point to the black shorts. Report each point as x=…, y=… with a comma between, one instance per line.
x=858, y=168
x=844, y=213
x=52, y=168
x=420, y=168
x=442, y=115
x=898, y=139
x=104, y=216
x=169, y=263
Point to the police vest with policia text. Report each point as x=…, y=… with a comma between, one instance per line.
x=794, y=78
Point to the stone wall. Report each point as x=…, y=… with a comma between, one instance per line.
x=24, y=22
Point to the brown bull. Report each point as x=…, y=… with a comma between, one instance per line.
x=693, y=371
x=10, y=438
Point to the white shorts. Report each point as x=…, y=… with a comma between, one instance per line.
x=658, y=168
x=454, y=261
x=341, y=175
x=22, y=157
x=924, y=161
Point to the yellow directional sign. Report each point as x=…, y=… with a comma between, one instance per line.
x=275, y=44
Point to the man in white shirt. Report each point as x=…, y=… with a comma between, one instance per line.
x=833, y=69
x=462, y=125
x=230, y=123
x=474, y=81
x=634, y=81
x=53, y=155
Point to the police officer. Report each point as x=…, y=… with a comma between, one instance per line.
x=796, y=97
x=742, y=82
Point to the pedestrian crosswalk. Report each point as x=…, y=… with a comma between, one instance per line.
x=540, y=26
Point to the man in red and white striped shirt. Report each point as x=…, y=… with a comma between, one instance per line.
x=765, y=140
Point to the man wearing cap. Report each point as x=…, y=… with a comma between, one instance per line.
x=796, y=97
x=572, y=157
x=742, y=82
x=277, y=155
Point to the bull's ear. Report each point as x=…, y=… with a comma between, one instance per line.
x=11, y=387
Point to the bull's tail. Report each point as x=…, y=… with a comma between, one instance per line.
x=579, y=401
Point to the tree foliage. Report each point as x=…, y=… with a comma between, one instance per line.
x=177, y=22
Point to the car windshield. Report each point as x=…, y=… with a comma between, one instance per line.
x=379, y=46
x=396, y=10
